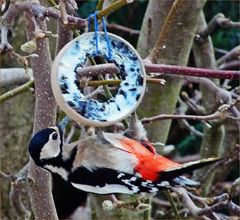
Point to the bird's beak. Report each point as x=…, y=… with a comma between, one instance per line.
x=63, y=123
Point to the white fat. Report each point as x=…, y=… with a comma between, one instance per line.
x=107, y=189
x=59, y=170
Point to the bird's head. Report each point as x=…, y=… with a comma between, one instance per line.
x=47, y=143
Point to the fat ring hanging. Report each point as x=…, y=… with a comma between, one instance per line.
x=92, y=112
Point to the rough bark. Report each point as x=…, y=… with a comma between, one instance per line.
x=44, y=116
x=173, y=46
x=212, y=143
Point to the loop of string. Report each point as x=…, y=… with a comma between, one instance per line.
x=107, y=38
x=96, y=29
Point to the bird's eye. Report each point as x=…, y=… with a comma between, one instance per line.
x=54, y=136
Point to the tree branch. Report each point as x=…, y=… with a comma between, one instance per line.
x=231, y=55
x=219, y=20
x=163, y=69
x=113, y=7
x=39, y=12
x=123, y=28
x=220, y=202
x=235, y=64
x=23, y=88
x=13, y=76
x=18, y=181
x=220, y=114
x=192, y=71
x=100, y=69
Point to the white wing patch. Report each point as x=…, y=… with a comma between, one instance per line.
x=107, y=189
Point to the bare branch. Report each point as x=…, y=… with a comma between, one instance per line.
x=101, y=69
x=13, y=76
x=164, y=69
x=123, y=28
x=220, y=114
x=40, y=12
x=191, y=71
x=23, y=88
x=235, y=64
x=220, y=202
x=18, y=181
x=4, y=45
x=16, y=193
x=113, y=7
x=219, y=20
x=220, y=51
x=191, y=128
x=188, y=117
x=231, y=55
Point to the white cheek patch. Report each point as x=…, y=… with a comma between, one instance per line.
x=58, y=170
x=107, y=189
x=50, y=149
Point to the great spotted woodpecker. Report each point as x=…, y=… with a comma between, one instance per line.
x=108, y=163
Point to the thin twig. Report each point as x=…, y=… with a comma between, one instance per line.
x=191, y=128
x=231, y=55
x=213, y=116
x=235, y=64
x=123, y=28
x=117, y=82
x=220, y=114
x=173, y=205
x=23, y=88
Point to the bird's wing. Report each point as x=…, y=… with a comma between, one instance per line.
x=149, y=163
x=126, y=144
x=108, y=181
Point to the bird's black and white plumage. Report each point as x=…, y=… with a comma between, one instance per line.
x=67, y=198
x=108, y=163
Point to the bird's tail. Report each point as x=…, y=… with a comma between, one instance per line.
x=171, y=174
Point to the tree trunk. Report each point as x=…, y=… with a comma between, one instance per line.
x=173, y=46
x=44, y=116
